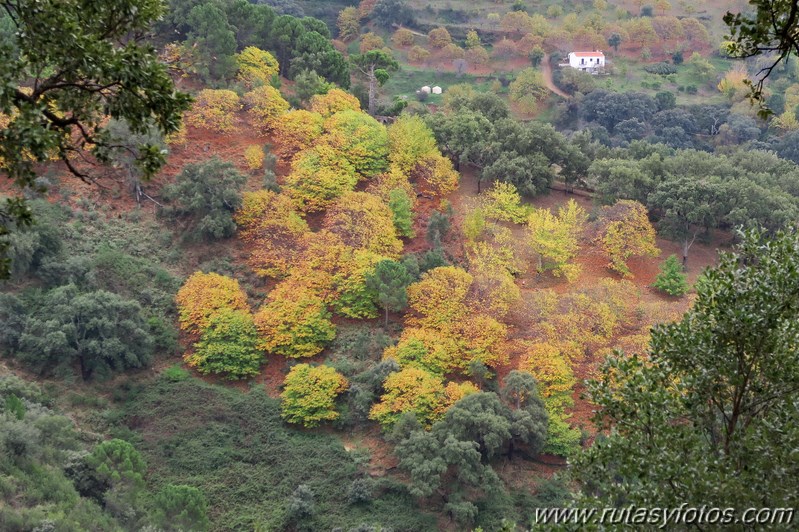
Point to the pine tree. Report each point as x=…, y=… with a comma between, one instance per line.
x=671, y=278
x=390, y=280
x=400, y=206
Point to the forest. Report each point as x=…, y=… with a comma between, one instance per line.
x=257, y=273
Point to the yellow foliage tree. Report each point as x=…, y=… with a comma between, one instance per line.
x=555, y=238
x=254, y=155
x=503, y=202
x=370, y=41
x=296, y=130
x=214, y=110
x=334, y=101
x=435, y=176
x=348, y=23
x=256, y=66
x=360, y=139
x=204, y=295
x=364, y=221
x=410, y=141
x=439, y=37
x=426, y=349
x=309, y=394
x=417, y=54
x=624, y=232
x=265, y=104
x=273, y=229
x=418, y=391
x=294, y=322
x=336, y=273
x=318, y=177
x=550, y=368
x=438, y=299
x=402, y=37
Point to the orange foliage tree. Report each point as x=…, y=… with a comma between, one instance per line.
x=364, y=221
x=370, y=41
x=215, y=110
x=273, y=228
x=203, y=295
x=294, y=322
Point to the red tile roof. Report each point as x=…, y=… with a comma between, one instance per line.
x=589, y=54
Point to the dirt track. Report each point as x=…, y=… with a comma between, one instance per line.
x=546, y=70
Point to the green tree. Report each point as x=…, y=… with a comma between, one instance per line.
x=389, y=281
x=389, y=13
x=180, y=508
x=208, y=193
x=400, y=205
x=99, y=331
x=83, y=61
x=614, y=40
x=528, y=414
x=117, y=463
x=229, y=346
x=671, y=278
x=375, y=66
x=709, y=414
x=215, y=39
x=308, y=84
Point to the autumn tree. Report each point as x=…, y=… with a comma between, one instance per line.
x=556, y=238
x=438, y=299
x=256, y=66
x=318, y=177
x=228, y=346
x=528, y=89
x=333, y=101
x=390, y=280
x=417, y=54
x=273, y=228
x=348, y=23
x=624, y=231
x=254, y=156
x=712, y=398
x=439, y=37
x=309, y=394
x=265, y=104
x=294, y=322
x=214, y=110
x=435, y=176
x=359, y=139
x=402, y=37
x=203, y=296
x=207, y=194
x=363, y=221
x=472, y=39
x=84, y=63
x=296, y=131
x=417, y=391
x=375, y=66
x=503, y=202
x=410, y=141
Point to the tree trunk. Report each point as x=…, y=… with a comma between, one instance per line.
x=386, y=317
x=372, y=90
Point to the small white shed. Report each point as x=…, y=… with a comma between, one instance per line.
x=426, y=89
x=437, y=90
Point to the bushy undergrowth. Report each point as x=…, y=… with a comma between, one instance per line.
x=237, y=450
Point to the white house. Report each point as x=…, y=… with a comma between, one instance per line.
x=587, y=61
x=437, y=90
x=426, y=89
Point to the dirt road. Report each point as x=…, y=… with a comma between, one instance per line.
x=546, y=70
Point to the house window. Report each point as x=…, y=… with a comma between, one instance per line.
x=582, y=61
